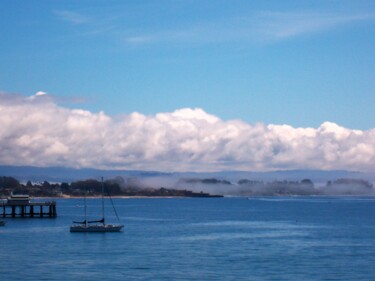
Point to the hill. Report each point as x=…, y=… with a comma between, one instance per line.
x=62, y=174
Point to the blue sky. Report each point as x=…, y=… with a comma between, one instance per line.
x=299, y=63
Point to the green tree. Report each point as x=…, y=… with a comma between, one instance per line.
x=9, y=182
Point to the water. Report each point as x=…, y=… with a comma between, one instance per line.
x=284, y=238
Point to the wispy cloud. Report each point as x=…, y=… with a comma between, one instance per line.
x=72, y=17
x=265, y=26
x=278, y=26
x=37, y=131
x=135, y=40
x=258, y=27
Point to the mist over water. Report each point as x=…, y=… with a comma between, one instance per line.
x=258, y=188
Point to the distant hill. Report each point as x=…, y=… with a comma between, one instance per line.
x=297, y=175
x=61, y=174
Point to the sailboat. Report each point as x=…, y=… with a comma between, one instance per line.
x=97, y=225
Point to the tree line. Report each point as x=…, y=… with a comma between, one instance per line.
x=89, y=187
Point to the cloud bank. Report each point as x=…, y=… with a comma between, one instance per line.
x=37, y=131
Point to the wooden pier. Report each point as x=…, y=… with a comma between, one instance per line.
x=20, y=206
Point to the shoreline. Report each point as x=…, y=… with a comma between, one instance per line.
x=120, y=197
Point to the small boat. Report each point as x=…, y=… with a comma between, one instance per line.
x=98, y=225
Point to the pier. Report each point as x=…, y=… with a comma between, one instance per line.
x=21, y=206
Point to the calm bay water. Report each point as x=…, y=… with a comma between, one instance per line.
x=285, y=238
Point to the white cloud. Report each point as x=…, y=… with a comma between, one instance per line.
x=41, y=133
x=38, y=95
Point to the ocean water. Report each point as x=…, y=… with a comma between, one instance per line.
x=282, y=238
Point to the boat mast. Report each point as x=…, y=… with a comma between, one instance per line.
x=85, y=208
x=103, y=201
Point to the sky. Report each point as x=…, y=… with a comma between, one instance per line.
x=188, y=85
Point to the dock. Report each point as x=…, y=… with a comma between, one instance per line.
x=21, y=206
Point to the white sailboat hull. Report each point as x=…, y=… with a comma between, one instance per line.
x=97, y=228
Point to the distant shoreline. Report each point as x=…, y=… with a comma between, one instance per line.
x=121, y=197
